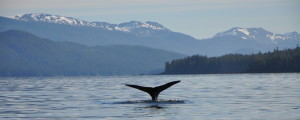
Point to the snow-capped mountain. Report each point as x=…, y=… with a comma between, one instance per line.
x=141, y=29
x=260, y=35
x=133, y=26
x=150, y=34
x=41, y=17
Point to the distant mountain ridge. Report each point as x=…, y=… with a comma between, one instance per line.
x=57, y=19
x=41, y=17
x=258, y=34
x=150, y=34
x=24, y=54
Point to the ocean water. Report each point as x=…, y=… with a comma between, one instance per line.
x=212, y=96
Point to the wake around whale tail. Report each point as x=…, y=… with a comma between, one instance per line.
x=153, y=91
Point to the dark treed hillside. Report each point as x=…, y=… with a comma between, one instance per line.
x=24, y=54
x=272, y=62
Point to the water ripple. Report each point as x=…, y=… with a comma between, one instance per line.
x=223, y=96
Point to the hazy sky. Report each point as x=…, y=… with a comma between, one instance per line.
x=198, y=18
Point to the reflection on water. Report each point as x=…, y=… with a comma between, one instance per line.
x=225, y=96
x=151, y=102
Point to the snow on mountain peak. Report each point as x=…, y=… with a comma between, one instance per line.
x=134, y=25
x=57, y=19
x=42, y=17
x=245, y=33
x=236, y=31
x=258, y=34
x=155, y=24
x=243, y=30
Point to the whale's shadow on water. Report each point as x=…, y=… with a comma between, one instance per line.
x=159, y=104
x=152, y=102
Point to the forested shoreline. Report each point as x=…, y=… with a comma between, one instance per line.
x=277, y=61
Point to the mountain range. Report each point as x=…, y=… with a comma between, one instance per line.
x=253, y=40
x=25, y=54
x=125, y=27
x=52, y=45
x=258, y=34
x=150, y=34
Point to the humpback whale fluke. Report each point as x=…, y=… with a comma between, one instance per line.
x=154, y=91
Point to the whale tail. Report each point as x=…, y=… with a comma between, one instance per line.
x=153, y=91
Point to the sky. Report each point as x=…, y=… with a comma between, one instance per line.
x=198, y=18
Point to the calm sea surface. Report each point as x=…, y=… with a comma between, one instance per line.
x=214, y=96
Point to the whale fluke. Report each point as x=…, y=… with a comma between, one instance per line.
x=154, y=91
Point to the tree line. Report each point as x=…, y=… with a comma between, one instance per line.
x=277, y=61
